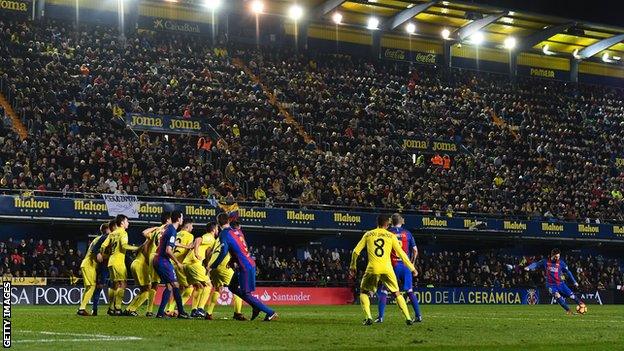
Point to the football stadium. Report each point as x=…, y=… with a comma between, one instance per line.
x=311, y=175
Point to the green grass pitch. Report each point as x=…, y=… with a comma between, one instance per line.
x=457, y=327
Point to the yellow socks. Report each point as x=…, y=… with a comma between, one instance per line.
x=403, y=306
x=186, y=294
x=212, y=301
x=119, y=294
x=111, y=298
x=195, y=296
x=203, y=296
x=238, y=304
x=365, y=302
x=150, y=300
x=138, y=301
x=88, y=294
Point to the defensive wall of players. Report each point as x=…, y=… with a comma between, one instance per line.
x=40, y=207
x=176, y=17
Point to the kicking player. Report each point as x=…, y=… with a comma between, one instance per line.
x=89, y=268
x=403, y=274
x=196, y=271
x=221, y=277
x=164, y=267
x=554, y=268
x=379, y=244
x=244, y=282
x=118, y=242
x=153, y=235
x=184, y=242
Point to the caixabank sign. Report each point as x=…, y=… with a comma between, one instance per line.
x=159, y=24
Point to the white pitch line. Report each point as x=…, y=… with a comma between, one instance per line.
x=577, y=318
x=121, y=338
x=91, y=337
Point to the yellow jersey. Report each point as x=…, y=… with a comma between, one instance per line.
x=90, y=259
x=379, y=244
x=207, y=241
x=216, y=250
x=183, y=238
x=118, y=242
x=155, y=239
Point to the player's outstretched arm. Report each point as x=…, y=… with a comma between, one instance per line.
x=564, y=268
x=534, y=265
x=148, y=232
x=125, y=245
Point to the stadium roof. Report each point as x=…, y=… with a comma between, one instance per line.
x=563, y=36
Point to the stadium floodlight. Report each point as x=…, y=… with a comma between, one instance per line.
x=295, y=12
x=575, y=54
x=509, y=43
x=477, y=38
x=373, y=23
x=212, y=4
x=605, y=58
x=410, y=28
x=337, y=17
x=446, y=34
x=546, y=51
x=257, y=7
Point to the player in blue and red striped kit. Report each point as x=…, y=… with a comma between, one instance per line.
x=554, y=269
x=243, y=282
x=403, y=274
x=164, y=267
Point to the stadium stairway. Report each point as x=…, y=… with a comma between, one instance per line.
x=17, y=124
x=273, y=100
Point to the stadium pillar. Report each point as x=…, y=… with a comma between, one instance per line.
x=377, y=44
x=38, y=7
x=513, y=65
x=303, y=35
x=447, y=53
x=574, y=68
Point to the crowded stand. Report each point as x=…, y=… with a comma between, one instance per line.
x=533, y=149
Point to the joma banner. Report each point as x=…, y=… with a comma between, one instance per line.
x=16, y=8
x=166, y=124
x=433, y=146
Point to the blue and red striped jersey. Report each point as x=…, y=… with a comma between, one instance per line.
x=553, y=270
x=233, y=241
x=407, y=243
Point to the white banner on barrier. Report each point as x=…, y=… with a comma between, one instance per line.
x=122, y=204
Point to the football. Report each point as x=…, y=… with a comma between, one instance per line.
x=581, y=309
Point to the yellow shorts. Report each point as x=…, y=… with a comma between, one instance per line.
x=118, y=272
x=89, y=275
x=140, y=272
x=370, y=282
x=221, y=277
x=196, y=273
x=181, y=275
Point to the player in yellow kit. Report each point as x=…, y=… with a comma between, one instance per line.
x=153, y=236
x=220, y=278
x=118, y=243
x=379, y=244
x=89, y=270
x=196, y=272
x=184, y=242
x=140, y=272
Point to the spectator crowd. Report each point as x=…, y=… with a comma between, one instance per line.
x=537, y=148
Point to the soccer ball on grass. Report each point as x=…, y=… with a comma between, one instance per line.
x=581, y=309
